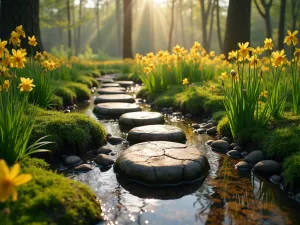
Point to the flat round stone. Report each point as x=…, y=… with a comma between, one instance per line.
x=156, y=133
x=109, y=91
x=136, y=119
x=115, y=108
x=125, y=83
x=114, y=98
x=105, y=80
x=162, y=163
x=109, y=85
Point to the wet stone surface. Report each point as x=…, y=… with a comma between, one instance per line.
x=115, y=108
x=125, y=83
x=156, y=133
x=110, y=91
x=110, y=85
x=114, y=98
x=135, y=119
x=162, y=162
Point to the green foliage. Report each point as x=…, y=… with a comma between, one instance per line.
x=143, y=93
x=67, y=94
x=87, y=80
x=130, y=76
x=217, y=116
x=291, y=171
x=53, y=199
x=282, y=142
x=71, y=133
x=57, y=101
x=81, y=90
x=223, y=127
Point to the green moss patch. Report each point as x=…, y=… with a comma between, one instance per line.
x=223, y=127
x=71, y=133
x=292, y=170
x=81, y=90
x=53, y=199
x=67, y=94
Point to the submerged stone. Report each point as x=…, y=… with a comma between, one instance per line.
x=243, y=166
x=115, y=108
x=156, y=133
x=212, y=131
x=161, y=162
x=115, y=140
x=195, y=125
x=72, y=160
x=103, y=160
x=234, y=154
x=114, y=98
x=83, y=167
x=104, y=150
x=267, y=167
x=136, y=119
x=254, y=157
x=220, y=145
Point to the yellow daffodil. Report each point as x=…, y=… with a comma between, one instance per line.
x=232, y=55
x=20, y=31
x=197, y=46
x=291, y=38
x=0, y=88
x=151, y=66
x=264, y=94
x=38, y=55
x=265, y=68
x=6, y=61
x=185, y=81
x=212, y=54
x=297, y=52
x=223, y=75
x=244, y=49
x=268, y=44
x=15, y=38
x=3, y=50
x=26, y=84
x=279, y=58
x=177, y=49
x=150, y=56
x=32, y=41
x=17, y=59
x=9, y=179
x=147, y=70
x=254, y=61
x=6, y=85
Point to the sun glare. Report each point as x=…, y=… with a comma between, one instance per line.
x=160, y=2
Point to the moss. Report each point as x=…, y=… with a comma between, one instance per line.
x=72, y=133
x=109, y=71
x=50, y=198
x=168, y=98
x=143, y=93
x=57, y=102
x=291, y=172
x=217, y=116
x=223, y=127
x=81, y=90
x=87, y=80
x=68, y=95
x=130, y=76
x=282, y=142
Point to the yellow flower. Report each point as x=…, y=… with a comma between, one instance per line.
x=147, y=70
x=50, y=65
x=265, y=68
x=3, y=50
x=17, y=59
x=254, y=61
x=291, y=37
x=150, y=56
x=14, y=38
x=258, y=50
x=32, y=41
x=20, y=31
x=151, y=66
x=244, y=50
x=197, y=45
x=0, y=88
x=185, y=81
x=232, y=55
x=38, y=55
x=264, y=94
x=6, y=85
x=279, y=58
x=26, y=84
x=223, y=75
x=9, y=179
x=212, y=54
x=268, y=44
x=297, y=52
x=177, y=49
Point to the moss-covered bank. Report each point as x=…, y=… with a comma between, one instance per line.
x=50, y=198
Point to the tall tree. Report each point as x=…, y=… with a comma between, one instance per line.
x=79, y=27
x=266, y=14
x=192, y=20
x=69, y=25
x=127, y=34
x=118, y=18
x=281, y=29
x=206, y=11
x=295, y=13
x=182, y=23
x=26, y=13
x=172, y=26
x=238, y=24
x=97, y=12
x=219, y=25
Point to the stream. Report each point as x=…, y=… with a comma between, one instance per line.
x=226, y=196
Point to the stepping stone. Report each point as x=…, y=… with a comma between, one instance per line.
x=109, y=85
x=125, y=83
x=103, y=160
x=267, y=167
x=156, y=133
x=104, y=150
x=105, y=80
x=136, y=119
x=83, y=168
x=161, y=163
x=109, y=91
x=254, y=157
x=114, y=98
x=220, y=146
x=72, y=160
x=115, y=108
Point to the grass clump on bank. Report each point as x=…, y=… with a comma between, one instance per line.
x=71, y=133
x=50, y=198
x=291, y=172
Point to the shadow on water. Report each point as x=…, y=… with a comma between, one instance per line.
x=226, y=196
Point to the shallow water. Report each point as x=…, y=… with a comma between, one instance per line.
x=224, y=197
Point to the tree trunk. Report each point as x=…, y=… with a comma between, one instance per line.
x=265, y=15
x=26, y=13
x=172, y=25
x=238, y=24
x=69, y=25
x=192, y=21
x=182, y=24
x=268, y=24
x=281, y=30
x=295, y=13
x=97, y=15
x=204, y=16
x=118, y=18
x=79, y=28
x=219, y=26
x=127, y=34
x=211, y=27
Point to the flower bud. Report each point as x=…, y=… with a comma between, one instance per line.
x=233, y=73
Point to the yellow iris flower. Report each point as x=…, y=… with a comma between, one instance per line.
x=9, y=179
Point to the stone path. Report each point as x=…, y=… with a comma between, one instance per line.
x=114, y=98
x=105, y=80
x=135, y=119
x=115, y=108
x=109, y=91
x=110, y=85
x=161, y=163
x=156, y=133
x=125, y=83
